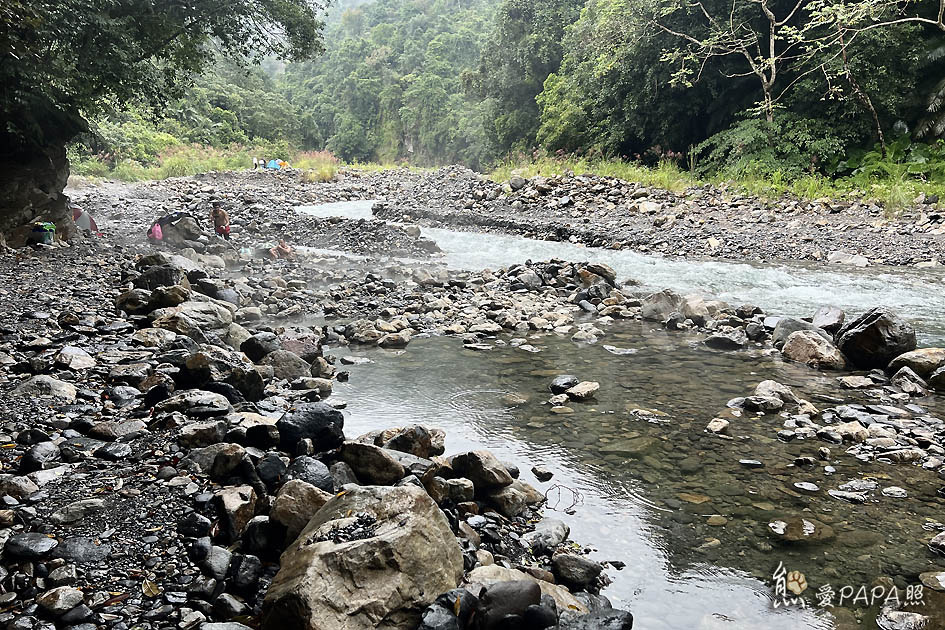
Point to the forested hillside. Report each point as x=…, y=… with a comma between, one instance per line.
x=774, y=89
x=391, y=82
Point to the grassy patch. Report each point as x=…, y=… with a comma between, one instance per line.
x=893, y=194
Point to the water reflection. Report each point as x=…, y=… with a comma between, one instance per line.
x=681, y=572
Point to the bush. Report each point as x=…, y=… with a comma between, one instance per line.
x=785, y=149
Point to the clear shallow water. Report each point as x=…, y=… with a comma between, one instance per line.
x=796, y=289
x=649, y=488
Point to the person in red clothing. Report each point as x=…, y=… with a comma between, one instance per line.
x=220, y=219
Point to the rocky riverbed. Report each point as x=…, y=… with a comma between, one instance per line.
x=705, y=222
x=173, y=424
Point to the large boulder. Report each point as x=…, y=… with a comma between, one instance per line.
x=305, y=342
x=493, y=573
x=286, y=364
x=373, y=557
x=295, y=505
x=318, y=422
x=806, y=346
x=162, y=276
x=923, y=361
x=830, y=318
x=193, y=319
x=788, y=325
x=259, y=345
x=483, y=469
x=372, y=464
x=43, y=385
x=659, y=306
x=214, y=364
x=875, y=338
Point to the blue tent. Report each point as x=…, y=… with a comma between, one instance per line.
x=273, y=164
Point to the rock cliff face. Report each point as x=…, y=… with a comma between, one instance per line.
x=31, y=190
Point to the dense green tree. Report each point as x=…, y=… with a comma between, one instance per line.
x=392, y=73
x=524, y=48
x=62, y=59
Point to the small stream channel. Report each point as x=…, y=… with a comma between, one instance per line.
x=647, y=477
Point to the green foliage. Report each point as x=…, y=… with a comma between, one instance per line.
x=786, y=148
x=62, y=57
x=524, y=48
x=902, y=161
x=389, y=85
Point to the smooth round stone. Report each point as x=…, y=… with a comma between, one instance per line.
x=895, y=492
x=717, y=520
x=934, y=580
x=806, y=486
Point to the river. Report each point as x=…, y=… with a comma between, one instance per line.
x=644, y=476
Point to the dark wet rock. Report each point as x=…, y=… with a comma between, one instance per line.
x=318, y=422
x=168, y=297
x=493, y=573
x=82, y=550
x=161, y=276
x=609, y=620
x=29, y=546
x=271, y=468
x=134, y=302
x=875, y=338
x=414, y=439
x=727, y=339
x=503, y=604
x=563, y=383
x=259, y=345
x=311, y=471
x=113, y=452
x=415, y=557
x=38, y=456
x=342, y=474
x=194, y=525
x=576, y=571
x=216, y=562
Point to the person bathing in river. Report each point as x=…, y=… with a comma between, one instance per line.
x=282, y=250
x=220, y=219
